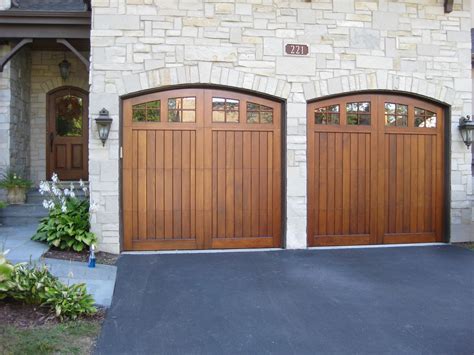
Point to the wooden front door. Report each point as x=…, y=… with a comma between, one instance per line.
x=201, y=169
x=67, y=134
x=375, y=171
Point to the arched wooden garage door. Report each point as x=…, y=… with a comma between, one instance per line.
x=201, y=169
x=375, y=170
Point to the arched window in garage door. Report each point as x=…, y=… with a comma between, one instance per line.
x=375, y=170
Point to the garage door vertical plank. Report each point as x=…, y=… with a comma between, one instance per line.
x=247, y=183
x=263, y=172
x=221, y=182
x=255, y=186
x=142, y=204
x=186, y=185
x=428, y=183
x=270, y=172
x=353, y=187
x=150, y=184
x=414, y=184
x=127, y=189
x=229, y=183
x=168, y=152
x=238, y=157
x=135, y=184
x=421, y=186
x=330, y=183
x=338, y=161
x=406, y=183
x=160, y=185
x=392, y=183
x=177, y=183
x=192, y=179
x=346, y=189
x=323, y=183
x=399, y=185
x=362, y=176
x=215, y=152
x=369, y=181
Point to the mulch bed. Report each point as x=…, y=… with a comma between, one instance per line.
x=23, y=315
x=467, y=245
x=100, y=256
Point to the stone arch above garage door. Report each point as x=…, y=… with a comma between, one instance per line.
x=203, y=73
x=379, y=81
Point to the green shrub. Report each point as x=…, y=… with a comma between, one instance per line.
x=6, y=272
x=3, y=204
x=38, y=286
x=67, y=228
x=69, y=301
x=11, y=179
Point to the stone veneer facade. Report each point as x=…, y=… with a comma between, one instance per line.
x=410, y=46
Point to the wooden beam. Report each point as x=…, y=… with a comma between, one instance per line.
x=15, y=49
x=448, y=6
x=75, y=51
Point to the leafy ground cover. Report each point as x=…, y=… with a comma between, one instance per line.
x=27, y=329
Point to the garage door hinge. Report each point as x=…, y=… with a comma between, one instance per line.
x=121, y=153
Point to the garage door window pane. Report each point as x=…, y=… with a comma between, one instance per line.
x=425, y=118
x=147, y=112
x=257, y=113
x=182, y=109
x=225, y=110
x=358, y=113
x=327, y=115
x=396, y=115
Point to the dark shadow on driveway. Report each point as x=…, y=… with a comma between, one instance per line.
x=412, y=300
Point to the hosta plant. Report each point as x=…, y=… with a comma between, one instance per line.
x=67, y=225
x=6, y=271
x=36, y=285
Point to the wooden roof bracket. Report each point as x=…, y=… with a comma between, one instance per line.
x=448, y=6
x=9, y=55
x=75, y=51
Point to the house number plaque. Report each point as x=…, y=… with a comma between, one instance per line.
x=296, y=49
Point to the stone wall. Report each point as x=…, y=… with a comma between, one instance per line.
x=20, y=73
x=5, y=4
x=4, y=116
x=44, y=78
x=409, y=46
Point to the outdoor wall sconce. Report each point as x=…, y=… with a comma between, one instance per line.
x=64, y=68
x=466, y=127
x=103, y=125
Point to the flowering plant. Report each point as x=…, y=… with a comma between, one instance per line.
x=11, y=179
x=67, y=225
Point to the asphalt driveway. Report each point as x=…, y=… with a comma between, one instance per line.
x=407, y=300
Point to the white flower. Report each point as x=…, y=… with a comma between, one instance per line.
x=84, y=189
x=71, y=187
x=81, y=183
x=66, y=192
x=55, y=178
x=93, y=207
x=51, y=204
x=72, y=194
x=64, y=208
x=45, y=204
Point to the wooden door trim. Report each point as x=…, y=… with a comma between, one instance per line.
x=50, y=111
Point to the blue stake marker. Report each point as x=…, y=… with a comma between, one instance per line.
x=92, y=256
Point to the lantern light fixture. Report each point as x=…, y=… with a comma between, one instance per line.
x=104, y=122
x=64, y=68
x=466, y=127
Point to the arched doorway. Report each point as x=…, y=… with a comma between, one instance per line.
x=67, y=133
x=201, y=169
x=375, y=170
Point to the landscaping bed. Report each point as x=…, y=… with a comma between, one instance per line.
x=28, y=329
x=467, y=245
x=100, y=256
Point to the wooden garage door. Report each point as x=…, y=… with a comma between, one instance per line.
x=201, y=169
x=375, y=171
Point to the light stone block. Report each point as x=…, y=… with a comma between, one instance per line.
x=295, y=66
